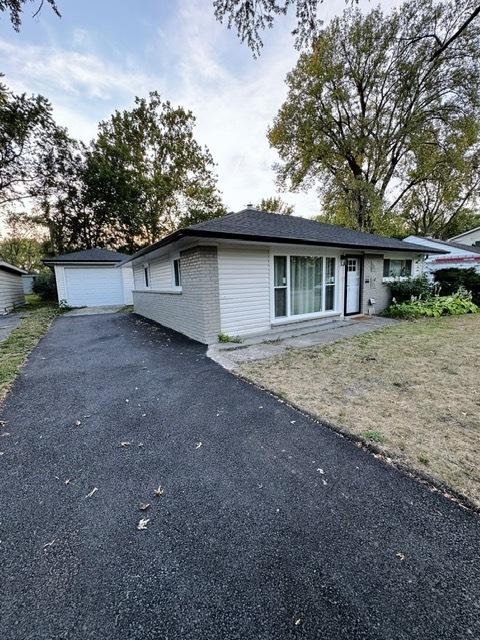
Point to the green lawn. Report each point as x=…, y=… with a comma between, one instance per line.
x=412, y=389
x=15, y=350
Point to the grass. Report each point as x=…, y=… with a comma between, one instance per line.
x=412, y=388
x=15, y=350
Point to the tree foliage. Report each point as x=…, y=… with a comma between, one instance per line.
x=276, y=205
x=28, y=137
x=370, y=116
x=146, y=175
x=15, y=9
x=251, y=17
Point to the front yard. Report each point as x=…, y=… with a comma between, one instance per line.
x=412, y=389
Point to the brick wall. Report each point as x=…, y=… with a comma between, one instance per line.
x=195, y=311
x=374, y=288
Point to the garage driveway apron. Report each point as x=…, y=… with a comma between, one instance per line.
x=271, y=525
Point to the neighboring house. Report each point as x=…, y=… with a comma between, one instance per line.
x=458, y=256
x=11, y=287
x=92, y=278
x=471, y=237
x=251, y=273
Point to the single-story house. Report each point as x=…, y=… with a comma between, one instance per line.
x=471, y=237
x=92, y=278
x=11, y=287
x=249, y=273
x=456, y=256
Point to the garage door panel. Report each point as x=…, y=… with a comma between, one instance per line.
x=93, y=287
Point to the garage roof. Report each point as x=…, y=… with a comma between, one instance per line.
x=89, y=255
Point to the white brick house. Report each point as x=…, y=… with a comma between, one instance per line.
x=251, y=272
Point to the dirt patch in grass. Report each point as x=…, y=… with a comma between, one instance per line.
x=16, y=348
x=412, y=389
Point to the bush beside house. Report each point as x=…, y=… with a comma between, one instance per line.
x=45, y=286
x=450, y=280
x=418, y=297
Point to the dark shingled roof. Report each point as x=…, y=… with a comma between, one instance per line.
x=262, y=226
x=89, y=255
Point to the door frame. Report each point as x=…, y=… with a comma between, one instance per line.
x=360, y=284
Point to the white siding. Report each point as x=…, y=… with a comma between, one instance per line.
x=127, y=279
x=468, y=238
x=244, y=290
x=11, y=290
x=60, y=280
x=161, y=274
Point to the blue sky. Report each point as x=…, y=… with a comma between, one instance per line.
x=103, y=53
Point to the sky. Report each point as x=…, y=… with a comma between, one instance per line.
x=102, y=53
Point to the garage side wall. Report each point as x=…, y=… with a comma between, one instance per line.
x=192, y=309
x=11, y=291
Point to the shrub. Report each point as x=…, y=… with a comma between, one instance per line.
x=45, y=286
x=405, y=290
x=451, y=279
x=458, y=304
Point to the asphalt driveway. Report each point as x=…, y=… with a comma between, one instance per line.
x=271, y=526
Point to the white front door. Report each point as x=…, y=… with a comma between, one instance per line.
x=352, y=288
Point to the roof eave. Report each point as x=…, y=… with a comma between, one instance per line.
x=224, y=235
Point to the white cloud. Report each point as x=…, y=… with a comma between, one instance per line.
x=193, y=61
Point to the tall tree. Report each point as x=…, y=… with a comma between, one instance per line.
x=146, y=174
x=15, y=9
x=22, y=243
x=28, y=134
x=368, y=101
x=276, y=205
x=251, y=17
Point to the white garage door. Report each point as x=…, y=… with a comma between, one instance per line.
x=93, y=286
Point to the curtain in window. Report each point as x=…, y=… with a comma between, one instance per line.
x=306, y=284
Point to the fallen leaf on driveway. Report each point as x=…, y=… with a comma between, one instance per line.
x=49, y=544
x=400, y=556
x=159, y=491
x=144, y=506
x=198, y=445
x=125, y=444
x=298, y=621
x=77, y=423
x=142, y=525
x=67, y=481
x=94, y=490
x=321, y=471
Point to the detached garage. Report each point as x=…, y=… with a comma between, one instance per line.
x=92, y=278
x=11, y=287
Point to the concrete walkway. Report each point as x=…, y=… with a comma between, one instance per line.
x=92, y=311
x=232, y=355
x=8, y=323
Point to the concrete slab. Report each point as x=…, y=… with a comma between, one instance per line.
x=231, y=356
x=8, y=323
x=92, y=311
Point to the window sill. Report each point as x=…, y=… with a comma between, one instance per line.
x=303, y=318
x=176, y=291
x=396, y=279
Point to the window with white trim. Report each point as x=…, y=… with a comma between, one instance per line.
x=303, y=285
x=397, y=268
x=177, y=274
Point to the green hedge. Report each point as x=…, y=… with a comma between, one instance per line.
x=45, y=286
x=405, y=290
x=450, y=280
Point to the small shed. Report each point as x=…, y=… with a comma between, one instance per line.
x=11, y=287
x=92, y=278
